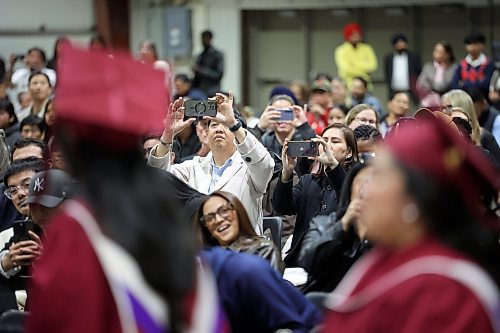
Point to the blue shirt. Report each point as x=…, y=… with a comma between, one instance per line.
x=217, y=172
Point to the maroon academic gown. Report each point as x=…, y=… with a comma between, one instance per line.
x=70, y=292
x=425, y=303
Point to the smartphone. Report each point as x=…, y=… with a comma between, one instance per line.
x=286, y=115
x=200, y=108
x=303, y=149
x=22, y=228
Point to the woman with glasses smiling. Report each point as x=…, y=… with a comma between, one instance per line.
x=223, y=221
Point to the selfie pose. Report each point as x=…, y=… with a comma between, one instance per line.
x=316, y=193
x=21, y=244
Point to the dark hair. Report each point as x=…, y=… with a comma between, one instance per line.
x=149, y=137
x=7, y=106
x=99, y=39
x=246, y=228
x=351, y=143
x=475, y=37
x=207, y=34
x=367, y=132
x=394, y=93
x=32, y=120
x=447, y=217
x=183, y=77
x=135, y=208
x=346, y=191
x=36, y=73
x=363, y=80
x=40, y=51
x=21, y=94
x=25, y=142
x=448, y=49
x=475, y=94
x=399, y=37
x=464, y=127
x=152, y=46
x=26, y=164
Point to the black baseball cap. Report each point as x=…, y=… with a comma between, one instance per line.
x=49, y=188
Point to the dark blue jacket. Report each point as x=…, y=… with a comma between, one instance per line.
x=255, y=297
x=8, y=212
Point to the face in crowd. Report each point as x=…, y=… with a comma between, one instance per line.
x=220, y=137
x=365, y=117
x=399, y=105
x=358, y=90
x=283, y=127
x=17, y=186
x=221, y=220
x=336, y=139
x=39, y=87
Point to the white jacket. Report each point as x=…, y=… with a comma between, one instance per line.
x=247, y=177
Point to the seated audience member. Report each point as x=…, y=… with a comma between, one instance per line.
x=35, y=61
x=9, y=123
x=183, y=88
x=278, y=131
x=26, y=148
x=40, y=90
x=475, y=70
x=188, y=144
x=436, y=76
x=398, y=106
x=480, y=137
x=47, y=190
x=487, y=115
x=32, y=128
x=320, y=102
x=148, y=142
x=54, y=157
x=337, y=114
x=237, y=162
x=256, y=298
x=48, y=121
x=223, y=221
x=367, y=139
x=334, y=242
x=316, y=193
x=25, y=101
x=436, y=240
x=360, y=95
x=16, y=182
x=362, y=114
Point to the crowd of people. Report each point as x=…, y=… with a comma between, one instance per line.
x=121, y=213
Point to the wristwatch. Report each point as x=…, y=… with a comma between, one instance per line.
x=236, y=127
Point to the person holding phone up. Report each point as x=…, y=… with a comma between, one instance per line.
x=316, y=193
x=21, y=244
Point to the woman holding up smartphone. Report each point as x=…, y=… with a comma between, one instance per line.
x=316, y=193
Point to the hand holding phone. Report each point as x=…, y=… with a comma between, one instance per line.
x=303, y=148
x=200, y=108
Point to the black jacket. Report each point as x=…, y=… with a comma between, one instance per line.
x=328, y=252
x=211, y=69
x=414, y=69
x=312, y=196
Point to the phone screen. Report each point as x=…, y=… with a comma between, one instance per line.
x=303, y=148
x=286, y=115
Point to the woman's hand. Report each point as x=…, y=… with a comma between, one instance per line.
x=326, y=158
x=288, y=162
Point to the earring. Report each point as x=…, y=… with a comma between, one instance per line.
x=410, y=213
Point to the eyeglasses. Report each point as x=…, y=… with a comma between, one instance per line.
x=223, y=211
x=13, y=190
x=366, y=121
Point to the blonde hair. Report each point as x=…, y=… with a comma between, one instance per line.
x=357, y=110
x=459, y=98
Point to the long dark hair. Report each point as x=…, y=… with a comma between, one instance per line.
x=134, y=208
x=448, y=217
x=246, y=228
x=448, y=49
